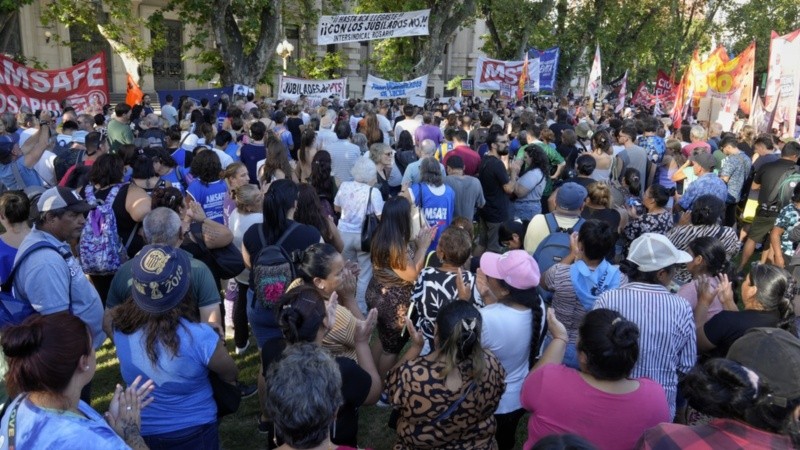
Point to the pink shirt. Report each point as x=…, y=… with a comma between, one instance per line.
x=561, y=401
x=687, y=151
x=689, y=292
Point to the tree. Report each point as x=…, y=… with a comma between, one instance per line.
x=9, y=12
x=755, y=20
x=510, y=24
x=419, y=55
x=116, y=22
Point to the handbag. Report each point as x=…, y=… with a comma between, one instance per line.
x=227, y=396
x=369, y=225
x=227, y=261
x=417, y=216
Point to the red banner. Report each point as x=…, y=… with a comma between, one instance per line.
x=641, y=97
x=84, y=85
x=663, y=87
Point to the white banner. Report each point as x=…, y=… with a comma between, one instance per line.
x=491, y=73
x=292, y=88
x=367, y=27
x=380, y=88
x=595, y=75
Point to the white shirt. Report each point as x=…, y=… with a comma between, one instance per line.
x=507, y=333
x=46, y=169
x=409, y=125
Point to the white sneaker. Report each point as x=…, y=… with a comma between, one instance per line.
x=241, y=350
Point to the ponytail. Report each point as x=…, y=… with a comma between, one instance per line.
x=459, y=334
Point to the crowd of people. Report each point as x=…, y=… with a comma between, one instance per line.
x=620, y=282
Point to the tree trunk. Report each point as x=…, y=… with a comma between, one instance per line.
x=240, y=67
x=445, y=19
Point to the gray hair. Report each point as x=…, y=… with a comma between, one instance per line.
x=364, y=171
x=377, y=150
x=303, y=420
x=427, y=148
x=361, y=141
x=162, y=226
x=430, y=171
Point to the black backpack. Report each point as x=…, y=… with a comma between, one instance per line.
x=66, y=157
x=480, y=138
x=272, y=270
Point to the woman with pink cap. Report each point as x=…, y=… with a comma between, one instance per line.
x=513, y=328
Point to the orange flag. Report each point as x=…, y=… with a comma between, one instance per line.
x=135, y=94
x=523, y=78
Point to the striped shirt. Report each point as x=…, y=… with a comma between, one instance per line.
x=682, y=235
x=667, y=339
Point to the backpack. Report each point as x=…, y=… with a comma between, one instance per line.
x=781, y=194
x=66, y=157
x=480, y=138
x=272, y=270
x=553, y=248
x=100, y=246
x=14, y=310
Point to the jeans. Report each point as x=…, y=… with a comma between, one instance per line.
x=352, y=252
x=490, y=238
x=506, y=433
x=262, y=320
x=201, y=437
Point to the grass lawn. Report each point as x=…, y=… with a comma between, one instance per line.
x=239, y=431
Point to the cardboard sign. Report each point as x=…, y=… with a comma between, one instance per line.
x=467, y=87
x=84, y=85
x=366, y=27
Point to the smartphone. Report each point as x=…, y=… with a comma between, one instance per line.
x=637, y=205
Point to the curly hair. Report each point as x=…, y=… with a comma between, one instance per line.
x=206, y=167
x=321, y=177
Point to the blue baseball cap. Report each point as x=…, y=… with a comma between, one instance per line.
x=160, y=278
x=571, y=196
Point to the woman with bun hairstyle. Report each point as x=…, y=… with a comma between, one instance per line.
x=765, y=294
x=447, y=399
x=50, y=359
x=703, y=220
x=14, y=213
x=753, y=397
x=305, y=316
x=600, y=402
x=656, y=218
x=321, y=266
x=708, y=261
x=603, y=155
x=598, y=206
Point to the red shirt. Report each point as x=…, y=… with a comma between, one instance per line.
x=471, y=159
x=725, y=434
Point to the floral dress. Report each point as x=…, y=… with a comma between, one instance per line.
x=434, y=417
x=648, y=223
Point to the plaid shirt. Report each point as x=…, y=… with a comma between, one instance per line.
x=725, y=434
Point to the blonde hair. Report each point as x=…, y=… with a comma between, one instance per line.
x=246, y=196
x=600, y=194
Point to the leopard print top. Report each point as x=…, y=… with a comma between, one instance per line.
x=418, y=392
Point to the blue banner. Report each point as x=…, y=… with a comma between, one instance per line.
x=548, y=66
x=195, y=95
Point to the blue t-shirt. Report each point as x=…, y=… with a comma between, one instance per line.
x=173, y=178
x=211, y=197
x=182, y=397
x=28, y=176
x=436, y=207
x=40, y=428
x=250, y=155
x=7, y=255
x=232, y=150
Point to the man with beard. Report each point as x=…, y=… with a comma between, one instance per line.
x=497, y=184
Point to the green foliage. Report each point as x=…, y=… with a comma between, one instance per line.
x=455, y=83
x=324, y=68
x=119, y=21
x=754, y=20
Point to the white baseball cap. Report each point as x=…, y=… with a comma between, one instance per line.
x=652, y=252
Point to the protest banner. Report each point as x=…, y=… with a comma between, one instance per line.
x=663, y=88
x=195, y=95
x=623, y=90
x=548, y=66
x=366, y=27
x=595, y=75
x=242, y=90
x=380, y=88
x=491, y=73
x=291, y=88
x=84, y=85
x=467, y=87
x=641, y=97
x=783, y=81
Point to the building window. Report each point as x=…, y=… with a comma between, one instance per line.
x=85, y=42
x=363, y=56
x=10, y=38
x=167, y=63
